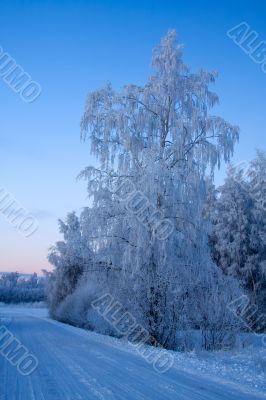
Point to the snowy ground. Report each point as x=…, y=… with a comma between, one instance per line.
x=79, y=365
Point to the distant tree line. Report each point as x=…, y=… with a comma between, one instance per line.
x=16, y=289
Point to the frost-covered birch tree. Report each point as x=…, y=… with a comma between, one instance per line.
x=155, y=145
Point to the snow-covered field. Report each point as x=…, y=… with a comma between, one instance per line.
x=75, y=364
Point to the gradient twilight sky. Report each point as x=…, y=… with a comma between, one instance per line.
x=73, y=47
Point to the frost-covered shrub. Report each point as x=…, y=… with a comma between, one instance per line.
x=76, y=309
x=70, y=259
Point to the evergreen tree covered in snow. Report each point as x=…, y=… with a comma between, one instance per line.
x=238, y=239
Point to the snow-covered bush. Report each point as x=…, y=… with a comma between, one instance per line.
x=70, y=259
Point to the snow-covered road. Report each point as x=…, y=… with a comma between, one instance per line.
x=76, y=365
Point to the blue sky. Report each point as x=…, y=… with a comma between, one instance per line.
x=73, y=47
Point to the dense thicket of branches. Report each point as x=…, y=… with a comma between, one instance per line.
x=145, y=238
